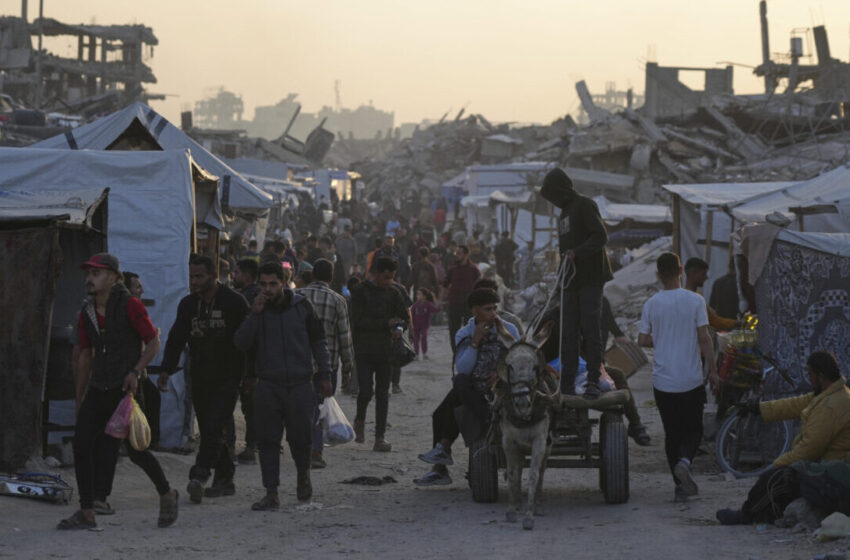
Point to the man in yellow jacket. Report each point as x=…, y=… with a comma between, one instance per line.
x=824, y=436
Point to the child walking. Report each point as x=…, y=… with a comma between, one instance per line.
x=421, y=312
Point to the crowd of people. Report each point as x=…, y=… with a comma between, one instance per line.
x=333, y=294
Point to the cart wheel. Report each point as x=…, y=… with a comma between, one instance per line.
x=614, y=448
x=483, y=473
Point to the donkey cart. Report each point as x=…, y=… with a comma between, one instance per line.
x=573, y=446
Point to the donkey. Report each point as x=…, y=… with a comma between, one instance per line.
x=523, y=398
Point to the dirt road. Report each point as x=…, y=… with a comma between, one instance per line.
x=402, y=521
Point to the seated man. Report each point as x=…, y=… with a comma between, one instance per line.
x=479, y=350
x=824, y=435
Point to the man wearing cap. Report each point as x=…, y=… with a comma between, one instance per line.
x=206, y=320
x=581, y=241
x=113, y=327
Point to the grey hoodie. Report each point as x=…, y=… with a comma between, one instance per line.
x=285, y=339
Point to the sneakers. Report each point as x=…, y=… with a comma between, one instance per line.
x=359, y=428
x=219, y=489
x=316, y=460
x=248, y=457
x=168, y=508
x=638, y=433
x=433, y=478
x=397, y=389
x=270, y=502
x=591, y=391
x=304, y=489
x=679, y=494
x=730, y=516
x=682, y=471
x=382, y=446
x=195, y=489
x=437, y=456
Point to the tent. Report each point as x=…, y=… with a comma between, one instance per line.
x=698, y=216
x=821, y=204
x=802, y=293
x=44, y=236
x=138, y=127
x=631, y=225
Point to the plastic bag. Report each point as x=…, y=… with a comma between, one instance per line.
x=336, y=428
x=119, y=424
x=140, y=430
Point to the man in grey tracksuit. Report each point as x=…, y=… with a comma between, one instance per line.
x=285, y=335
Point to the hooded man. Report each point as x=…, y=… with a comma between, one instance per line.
x=581, y=241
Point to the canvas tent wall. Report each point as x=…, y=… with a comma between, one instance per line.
x=44, y=236
x=802, y=287
x=138, y=127
x=821, y=204
x=702, y=229
x=630, y=225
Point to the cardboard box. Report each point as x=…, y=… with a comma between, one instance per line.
x=626, y=356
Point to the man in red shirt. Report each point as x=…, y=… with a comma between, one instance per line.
x=114, y=326
x=458, y=283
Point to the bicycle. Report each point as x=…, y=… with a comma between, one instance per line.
x=746, y=445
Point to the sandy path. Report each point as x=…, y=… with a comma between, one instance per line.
x=403, y=521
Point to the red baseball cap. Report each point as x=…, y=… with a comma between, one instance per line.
x=102, y=260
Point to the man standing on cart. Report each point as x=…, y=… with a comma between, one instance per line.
x=581, y=241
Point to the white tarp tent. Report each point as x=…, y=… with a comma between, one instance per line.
x=103, y=134
x=614, y=213
x=821, y=204
x=698, y=216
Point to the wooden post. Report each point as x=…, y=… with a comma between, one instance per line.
x=677, y=236
x=709, y=235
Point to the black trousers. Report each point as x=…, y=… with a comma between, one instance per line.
x=770, y=495
x=443, y=421
x=214, y=403
x=374, y=370
x=246, y=405
x=458, y=315
x=278, y=408
x=681, y=416
x=581, y=314
x=630, y=408
x=396, y=376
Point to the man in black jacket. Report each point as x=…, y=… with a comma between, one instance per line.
x=206, y=320
x=286, y=336
x=378, y=316
x=581, y=240
x=245, y=280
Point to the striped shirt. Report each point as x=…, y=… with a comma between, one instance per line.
x=332, y=310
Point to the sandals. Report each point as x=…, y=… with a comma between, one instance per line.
x=76, y=522
x=102, y=507
x=639, y=434
x=168, y=509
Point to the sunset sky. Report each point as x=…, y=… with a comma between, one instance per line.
x=510, y=60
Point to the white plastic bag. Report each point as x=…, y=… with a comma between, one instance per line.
x=336, y=428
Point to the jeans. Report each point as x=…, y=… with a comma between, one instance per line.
x=278, y=408
x=377, y=370
x=681, y=416
x=420, y=340
x=214, y=409
x=581, y=314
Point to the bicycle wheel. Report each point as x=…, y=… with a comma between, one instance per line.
x=747, y=445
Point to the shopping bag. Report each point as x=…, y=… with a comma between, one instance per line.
x=140, y=430
x=402, y=352
x=119, y=424
x=335, y=426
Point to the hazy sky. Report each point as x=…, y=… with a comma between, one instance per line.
x=510, y=60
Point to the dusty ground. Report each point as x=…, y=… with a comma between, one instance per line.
x=403, y=521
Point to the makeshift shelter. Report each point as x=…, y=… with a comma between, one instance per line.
x=631, y=225
x=138, y=127
x=701, y=228
x=821, y=204
x=50, y=232
x=802, y=293
x=161, y=203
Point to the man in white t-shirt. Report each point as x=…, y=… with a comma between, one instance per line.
x=675, y=323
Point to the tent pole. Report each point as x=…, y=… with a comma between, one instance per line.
x=709, y=235
x=677, y=237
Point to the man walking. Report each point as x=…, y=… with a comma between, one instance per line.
x=206, y=320
x=458, y=285
x=581, y=241
x=245, y=280
x=675, y=323
x=332, y=310
x=286, y=336
x=504, y=253
x=113, y=327
x=378, y=316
